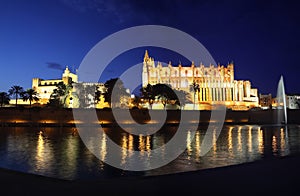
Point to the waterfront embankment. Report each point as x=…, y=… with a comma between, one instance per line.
x=65, y=117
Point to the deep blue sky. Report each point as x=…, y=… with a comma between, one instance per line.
x=261, y=37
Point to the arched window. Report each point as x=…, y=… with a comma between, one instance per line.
x=197, y=73
x=175, y=73
x=186, y=72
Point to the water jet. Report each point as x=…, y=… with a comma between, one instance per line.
x=281, y=103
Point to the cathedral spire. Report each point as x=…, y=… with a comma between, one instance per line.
x=146, y=57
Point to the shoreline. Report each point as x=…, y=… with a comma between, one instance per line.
x=272, y=175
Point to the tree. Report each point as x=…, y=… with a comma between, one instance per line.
x=87, y=94
x=4, y=98
x=164, y=93
x=16, y=91
x=182, y=98
x=31, y=95
x=136, y=101
x=117, y=86
x=195, y=88
x=148, y=94
x=59, y=95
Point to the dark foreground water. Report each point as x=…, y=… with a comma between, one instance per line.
x=60, y=152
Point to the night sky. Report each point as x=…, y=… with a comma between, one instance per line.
x=39, y=38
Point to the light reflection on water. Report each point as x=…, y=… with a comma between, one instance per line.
x=60, y=153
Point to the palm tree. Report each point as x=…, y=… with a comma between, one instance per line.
x=31, y=95
x=195, y=88
x=16, y=90
x=4, y=98
x=59, y=95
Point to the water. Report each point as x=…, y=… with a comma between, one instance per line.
x=60, y=153
x=282, y=113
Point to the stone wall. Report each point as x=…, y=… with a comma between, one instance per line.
x=64, y=117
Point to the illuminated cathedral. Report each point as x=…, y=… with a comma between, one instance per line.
x=215, y=84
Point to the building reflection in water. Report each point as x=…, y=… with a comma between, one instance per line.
x=56, y=152
x=214, y=142
x=236, y=144
x=103, y=150
x=260, y=139
x=230, y=150
x=127, y=145
x=274, y=144
x=197, y=146
x=70, y=153
x=40, y=148
x=189, y=144
x=250, y=139
x=124, y=149
x=141, y=144
x=284, y=143
x=243, y=143
x=44, y=154
x=148, y=145
x=239, y=139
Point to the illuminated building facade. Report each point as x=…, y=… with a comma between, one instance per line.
x=44, y=88
x=82, y=94
x=216, y=85
x=265, y=101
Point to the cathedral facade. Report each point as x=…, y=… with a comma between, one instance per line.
x=206, y=84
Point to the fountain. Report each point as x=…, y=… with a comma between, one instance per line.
x=281, y=103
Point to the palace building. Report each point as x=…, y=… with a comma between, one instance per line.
x=214, y=84
x=45, y=88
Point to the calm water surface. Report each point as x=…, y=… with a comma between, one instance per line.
x=60, y=153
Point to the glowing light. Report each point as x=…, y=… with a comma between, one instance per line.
x=74, y=122
x=19, y=121
x=47, y=121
